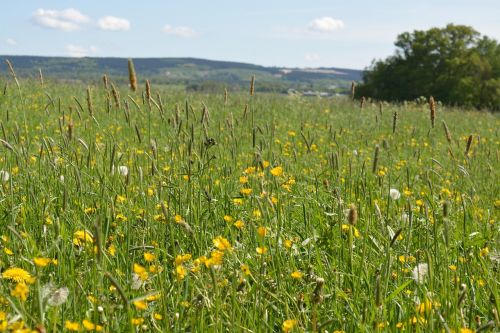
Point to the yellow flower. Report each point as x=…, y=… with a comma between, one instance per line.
x=453, y=267
x=246, y=191
x=288, y=243
x=420, y=202
x=157, y=316
x=89, y=210
x=137, y=321
x=228, y=218
x=262, y=231
x=484, y=252
x=239, y=224
x=277, y=171
x=90, y=326
x=72, y=325
x=120, y=217
x=245, y=269
x=41, y=262
x=82, y=237
x=20, y=291
x=222, y=243
x=297, y=275
x=288, y=325
x=141, y=272
x=238, y=201
x=261, y=250
x=180, y=272
x=148, y=256
x=178, y=218
x=18, y=275
x=180, y=259
x=243, y=179
x=140, y=305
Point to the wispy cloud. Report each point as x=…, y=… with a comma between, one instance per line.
x=312, y=57
x=180, y=31
x=325, y=24
x=113, y=23
x=319, y=28
x=66, y=20
x=78, y=51
x=11, y=41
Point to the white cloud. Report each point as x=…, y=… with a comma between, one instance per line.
x=78, y=51
x=325, y=24
x=11, y=41
x=312, y=57
x=113, y=23
x=180, y=31
x=67, y=19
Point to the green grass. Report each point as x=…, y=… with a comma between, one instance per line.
x=150, y=261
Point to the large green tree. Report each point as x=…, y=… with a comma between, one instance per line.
x=454, y=64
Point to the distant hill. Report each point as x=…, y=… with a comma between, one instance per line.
x=195, y=74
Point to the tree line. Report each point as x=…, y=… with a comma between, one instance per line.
x=456, y=64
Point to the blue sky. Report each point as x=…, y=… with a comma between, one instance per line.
x=274, y=33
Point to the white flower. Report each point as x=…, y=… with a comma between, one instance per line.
x=355, y=152
x=420, y=272
x=405, y=218
x=123, y=170
x=61, y=178
x=4, y=175
x=394, y=194
x=55, y=297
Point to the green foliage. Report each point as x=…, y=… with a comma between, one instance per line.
x=454, y=64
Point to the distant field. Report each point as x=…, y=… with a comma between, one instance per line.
x=127, y=211
x=191, y=73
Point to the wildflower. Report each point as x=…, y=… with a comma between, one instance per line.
x=55, y=297
x=420, y=272
x=120, y=217
x=89, y=210
x=484, y=252
x=419, y=202
x=243, y=179
x=141, y=272
x=297, y=275
x=141, y=305
x=245, y=269
x=18, y=275
x=82, y=237
x=41, y=262
x=148, y=256
x=157, y=316
x=288, y=243
x=394, y=194
x=261, y=250
x=72, y=326
x=288, y=325
x=20, y=291
x=137, y=321
x=90, y=326
x=4, y=175
x=277, y=171
x=246, y=191
x=239, y=224
x=228, y=218
x=262, y=231
x=123, y=170
x=180, y=259
x=222, y=243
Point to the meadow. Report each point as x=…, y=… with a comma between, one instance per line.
x=157, y=210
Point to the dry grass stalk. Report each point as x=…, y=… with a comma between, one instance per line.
x=105, y=81
x=353, y=89
x=252, y=85
x=116, y=95
x=447, y=132
x=40, y=76
x=432, y=107
x=132, y=76
x=469, y=145
x=12, y=72
x=394, y=122
x=89, y=102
